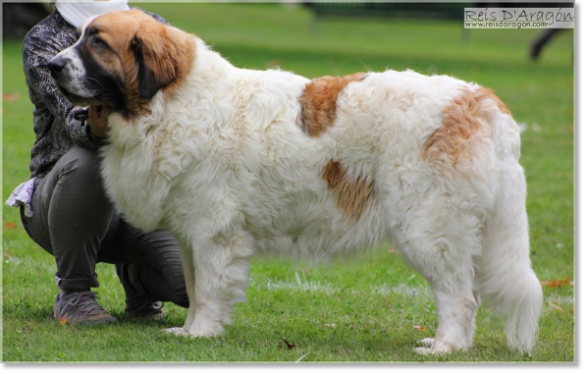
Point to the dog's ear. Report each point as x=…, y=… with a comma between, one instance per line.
x=163, y=54
x=156, y=64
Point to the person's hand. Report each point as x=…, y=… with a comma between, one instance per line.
x=98, y=120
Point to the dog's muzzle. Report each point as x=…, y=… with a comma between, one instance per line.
x=56, y=66
x=69, y=74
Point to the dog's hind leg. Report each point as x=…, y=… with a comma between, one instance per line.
x=456, y=308
x=222, y=271
x=442, y=243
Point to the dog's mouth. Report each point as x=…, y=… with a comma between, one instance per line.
x=74, y=99
x=77, y=92
x=79, y=100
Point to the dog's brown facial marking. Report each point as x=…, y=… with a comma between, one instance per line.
x=465, y=117
x=318, y=102
x=352, y=193
x=141, y=54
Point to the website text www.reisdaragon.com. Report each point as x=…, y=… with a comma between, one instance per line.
x=506, y=25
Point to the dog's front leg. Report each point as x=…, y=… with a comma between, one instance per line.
x=221, y=269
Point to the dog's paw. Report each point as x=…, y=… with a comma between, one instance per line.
x=180, y=331
x=205, y=330
x=424, y=351
x=430, y=347
x=427, y=342
x=427, y=348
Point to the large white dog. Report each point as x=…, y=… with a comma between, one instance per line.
x=239, y=162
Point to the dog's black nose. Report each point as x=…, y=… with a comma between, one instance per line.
x=56, y=65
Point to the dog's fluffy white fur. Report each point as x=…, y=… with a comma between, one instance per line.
x=222, y=161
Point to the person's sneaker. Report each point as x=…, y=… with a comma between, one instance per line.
x=147, y=310
x=80, y=308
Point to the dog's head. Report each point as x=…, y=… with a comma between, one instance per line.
x=122, y=59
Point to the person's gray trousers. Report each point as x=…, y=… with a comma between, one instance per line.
x=75, y=222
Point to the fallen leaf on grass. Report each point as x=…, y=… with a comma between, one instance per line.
x=10, y=97
x=419, y=328
x=556, y=307
x=557, y=283
x=10, y=225
x=8, y=254
x=289, y=345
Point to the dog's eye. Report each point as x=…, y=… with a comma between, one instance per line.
x=98, y=43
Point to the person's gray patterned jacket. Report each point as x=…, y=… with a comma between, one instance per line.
x=58, y=124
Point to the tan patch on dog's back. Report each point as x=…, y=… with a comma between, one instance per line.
x=352, y=194
x=318, y=102
x=486, y=93
x=463, y=119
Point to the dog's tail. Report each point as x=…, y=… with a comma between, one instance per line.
x=507, y=282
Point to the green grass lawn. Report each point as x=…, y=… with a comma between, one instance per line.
x=373, y=310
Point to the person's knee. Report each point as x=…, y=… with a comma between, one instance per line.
x=81, y=161
x=74, y=186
